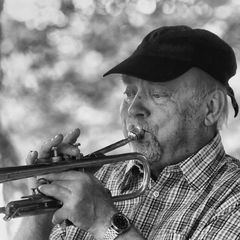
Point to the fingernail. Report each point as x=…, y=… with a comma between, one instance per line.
x=39, y=188
x=32, y=153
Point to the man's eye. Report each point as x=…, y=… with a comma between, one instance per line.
x=156, y=95
x=159, y=95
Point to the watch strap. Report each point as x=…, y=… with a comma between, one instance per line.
x=119, y=225
x=111, y=234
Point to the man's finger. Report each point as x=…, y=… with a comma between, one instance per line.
x=45, y=150
x=54, y=190
x=31, y=157
x=72, y=137
x=67, y=175
x=68, y=149
x=59, y=216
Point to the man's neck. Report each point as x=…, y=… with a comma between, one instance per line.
x=182, y=154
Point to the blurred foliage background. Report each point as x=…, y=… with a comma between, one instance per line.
x=53, y=55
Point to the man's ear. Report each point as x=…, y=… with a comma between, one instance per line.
x=214, y=107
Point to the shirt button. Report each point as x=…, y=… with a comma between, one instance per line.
x=156, y=194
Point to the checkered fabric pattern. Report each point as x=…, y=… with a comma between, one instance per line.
x=198, y=198
x=110, y=234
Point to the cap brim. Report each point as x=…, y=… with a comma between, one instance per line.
x=150, y=68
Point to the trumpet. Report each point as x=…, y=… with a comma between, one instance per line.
x=38, y=203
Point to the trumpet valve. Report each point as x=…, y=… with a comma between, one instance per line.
x=56, y=157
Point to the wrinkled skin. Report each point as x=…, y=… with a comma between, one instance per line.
x=174, y=126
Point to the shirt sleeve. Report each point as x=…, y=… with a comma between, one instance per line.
x=69, y=233
x=226, y=226
x=57, y=233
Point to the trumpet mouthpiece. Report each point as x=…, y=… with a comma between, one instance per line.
x=136, y=133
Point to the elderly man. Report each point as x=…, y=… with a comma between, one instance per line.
x=176, y=88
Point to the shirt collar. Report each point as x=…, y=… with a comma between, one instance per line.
x=200, y=167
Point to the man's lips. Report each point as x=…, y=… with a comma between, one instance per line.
x=140, y=127
x=137, y=132
x=144, y=137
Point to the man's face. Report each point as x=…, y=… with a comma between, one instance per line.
x=166, y=112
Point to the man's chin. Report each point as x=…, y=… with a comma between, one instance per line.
x=139, y=147
x=152, y=156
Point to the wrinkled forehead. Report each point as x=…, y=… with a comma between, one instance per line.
x=130, y=80
x=186, y=81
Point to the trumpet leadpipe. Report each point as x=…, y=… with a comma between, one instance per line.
x=133, y=135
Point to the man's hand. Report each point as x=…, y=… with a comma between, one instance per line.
x=39, y=227
x=86, y=203
x=65, y=145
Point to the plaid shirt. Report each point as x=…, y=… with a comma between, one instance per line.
x=198, y=198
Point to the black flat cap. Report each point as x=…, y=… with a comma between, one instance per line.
x=168, y=52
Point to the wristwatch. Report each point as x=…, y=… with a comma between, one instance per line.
x=119, y=224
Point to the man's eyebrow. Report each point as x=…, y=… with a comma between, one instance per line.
x=128, y=80
x=159, y=85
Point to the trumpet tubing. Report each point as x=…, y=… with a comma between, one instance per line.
x=39, y=203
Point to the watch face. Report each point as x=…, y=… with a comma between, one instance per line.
x=120, y=222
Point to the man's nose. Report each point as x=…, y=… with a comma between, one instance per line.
x=138, y=107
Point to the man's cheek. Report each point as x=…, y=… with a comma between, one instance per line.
x=124, y=116
x=124, y=128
